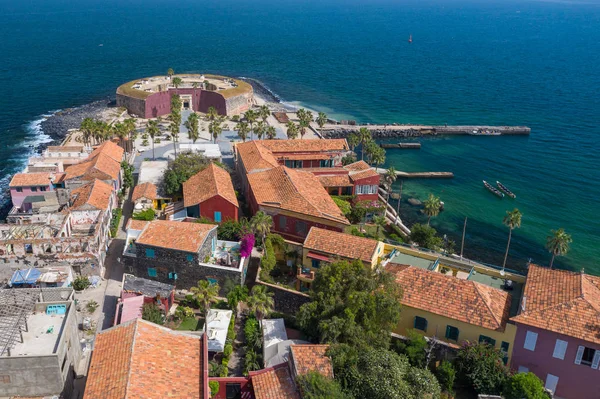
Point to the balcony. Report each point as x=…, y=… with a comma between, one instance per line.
x=226, y=253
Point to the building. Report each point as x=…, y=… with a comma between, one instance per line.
x=209, y=194
x=558, y=331
x=104, y=163
x=452, y=309
x=145, y=196
x=296, y=201
x=46, y=277
x=57, y=158
x=149, y=189
x=274, y=383
x=139, y=359
x=182, y=252
x=39, y=343
x=137, y=292
x=151, y=97
x=358, y=179
x=24, y=185
x=217, y=326
x=310, y=357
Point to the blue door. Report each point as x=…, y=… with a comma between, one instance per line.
x=218, y=217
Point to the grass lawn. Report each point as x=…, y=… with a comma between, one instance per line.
x=191, y=324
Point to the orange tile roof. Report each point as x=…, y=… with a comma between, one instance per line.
x=340, y=244
x=357, y=166
x=467, y=301
x=100, y=167
x=207, y=183
x=254, y=156
x=142, y=360
x=274, y=383
x=95, y=194
x=295, y=191
x=187, y=237
x=305, y=145
x=109, y=149
x=563, y=302
x=145, y=190
x=360, y=170
x=335, y=180
x=312, y=358
x=31, y=179
x=136, y=224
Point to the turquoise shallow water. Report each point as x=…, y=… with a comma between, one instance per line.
x=532, y=63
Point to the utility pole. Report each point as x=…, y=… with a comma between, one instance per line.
x=462, y=245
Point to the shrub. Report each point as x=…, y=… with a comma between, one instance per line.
x=228, y=350
x=268, y=261
x=246, y=245
x=413, y=348
x=524, y=385
x=215, y=369
x=481, y=367
x=183, y=312
x=145, y=142
x=114, y=222
x=313, y=385
x=157, y=141
x=92, y=306
x=355, y=232
x=229, y=230
x=253, y=333
x=425, y=236
x=214, y=388
x=446, y=374
x=231, y=328
x=146, y=214
x=422, y=383
x=344, y=206
x=152, y=313
x=237, y=294
x=81, y=283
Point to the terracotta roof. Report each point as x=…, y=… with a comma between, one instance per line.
x=144, y=190
x=254, y=156
x=139, y=359
x=136, y=224
x=360, y=170
x=109, y=149
x=357, y=166
x=100, y=167
x=340, y=244
x=467, y=301
x=95, y=194
x=31, y=179
x=563, y=302
x=207, y=183
x=187, y=237
x=312, y=358
x=274, y=383
x=296, y=191
x=335, y=180
x=306, y=145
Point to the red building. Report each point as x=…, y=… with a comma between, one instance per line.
x=138, y=291
x=210, y=194
x=296, y=201
x=357, y=179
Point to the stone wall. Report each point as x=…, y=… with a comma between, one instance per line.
x=238, y=104
x=135, y=106
x=286, y=300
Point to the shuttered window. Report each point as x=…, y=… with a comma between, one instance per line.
x=530, y=341
x=487, y=340
x=560, y=348
x=149, y=253
x=420, y=323
x=452, y=333
x=151, y=272
x=596, y=360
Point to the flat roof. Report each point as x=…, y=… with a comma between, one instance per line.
x=496, y=282
x=273, y=332
x=152, y=172
x=406, y=259
x=216, y=328
x=42, y=335
x=149, y=288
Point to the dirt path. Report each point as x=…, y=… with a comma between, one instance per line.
x=236, y=360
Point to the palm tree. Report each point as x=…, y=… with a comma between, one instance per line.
x=211, y=113
x=304, y=118
x=353, y=140
x=512, y=220
x=271, y=133
x=243, y=129
x=378, y=155
x=261, y=301
x=389, y=179
x=431, y=207
x=129, y=126
x=365, y=137
x=215, y=129
x=379, y=221
x=558, y=243
x=87, y=129
x=261, y=224
x=192, y=126
x=321, y=121
x=119, y=130
x=251, y=362
x=205, y=293
x=264, y=112
x=195, y=85
x=153, y=130
x=251, y=117
x=260, y=129
x=170, y=72
x=292, y=130
x=177, y=81
x=174, y=130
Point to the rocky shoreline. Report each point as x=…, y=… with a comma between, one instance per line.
x=377, y=133
x=263, y=92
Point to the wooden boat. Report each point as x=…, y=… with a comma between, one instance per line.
x=505, y=189
x=493, y=189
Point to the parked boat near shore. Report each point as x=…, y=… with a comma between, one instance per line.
x=505, y=189
x=493, y=189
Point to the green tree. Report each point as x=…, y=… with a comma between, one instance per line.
x=321, y=121
x=211, y=113
x=260, y=129
x=270, y=133
x=425, y=236
x=354, y=139
x=557, y=243
x=146, y=214
x=152, y=313
x=192, y=125
x=127, y=174
x=238, y=294
x=524, y=386
x=118, y=129
x=379, y=221
x=264, y=112
x=414, y=348
x=446, y=374
x=175, y=118
x=481, y=366
x=170, y=72
x=87, y=130
x=344, y=205
x=251, y=117
x=292, y=130
x=153, y=130
x=304, y=119
x=512, y=220
x=261, y=224
x=431, y=207
x=215, y=129
x=251, y=361
x=205, y=293
x=365, y=137
x=389, y=178
x=243, y=129
x=352, y=304
x=314, y=385
x=180, y=170
x=176, y=81
x=261, y=301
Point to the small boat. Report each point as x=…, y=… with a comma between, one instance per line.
x=410, y=38
x=493, y=189
x=505, y=189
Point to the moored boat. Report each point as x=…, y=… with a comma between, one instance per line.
x=502, y=187
x=493, y=189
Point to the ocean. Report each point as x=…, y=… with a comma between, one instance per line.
x=534, y=63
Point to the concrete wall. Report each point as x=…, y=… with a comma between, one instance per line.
x=134, y=105
x=18, y=197
x=574, y=381
x=287, y=227
x=212, y=99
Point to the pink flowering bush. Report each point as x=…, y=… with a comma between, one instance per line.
x=246, y=245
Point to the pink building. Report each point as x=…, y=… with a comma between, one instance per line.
x=558, y=332
x=24, y=185
x=138, y=291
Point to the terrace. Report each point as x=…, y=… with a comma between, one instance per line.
x=226, y=253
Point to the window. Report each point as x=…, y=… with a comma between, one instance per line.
x=587, y=357
x=300, y=228
x=523, y=369
x=504, y=348
x=282, y=222
x=315, y=263
x=233, y=391
x=19, y=189
x=420, y=323
x=34, y=189
x=212, y=281
x=214, y=244
x=551, y=382
x=487, y=340
x=218, y=217
x=149, y=253
x=43, y=188
x=190, y=258
x=172, y=276
x=452, y=333
x=327, y=163
x=560, y=348
x=530, y=341
x=152, y=272
x=293, y=164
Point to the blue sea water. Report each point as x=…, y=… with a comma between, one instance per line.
x=534, y=63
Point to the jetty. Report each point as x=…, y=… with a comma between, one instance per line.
x=419, y=175
x=339, y=130
x=406, y=146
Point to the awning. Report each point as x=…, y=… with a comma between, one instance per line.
x=316, y=256
x=28, y=276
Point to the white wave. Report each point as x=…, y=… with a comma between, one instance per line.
x=35, y=133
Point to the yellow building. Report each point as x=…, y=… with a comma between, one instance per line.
x=453, y=310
